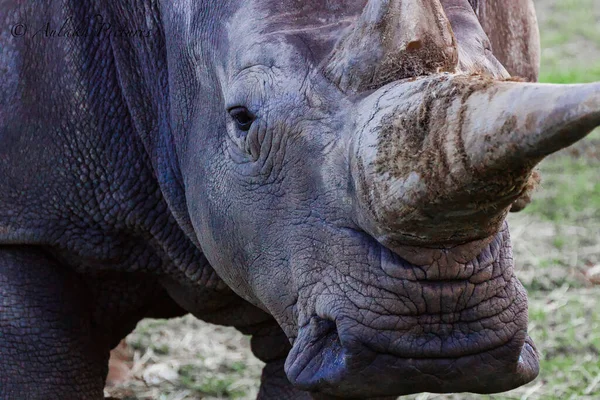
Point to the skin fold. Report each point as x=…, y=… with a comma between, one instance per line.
x=330, y=177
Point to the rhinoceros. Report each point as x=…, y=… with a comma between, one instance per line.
x=329, y=177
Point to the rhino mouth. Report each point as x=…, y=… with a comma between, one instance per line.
x=321, y=362
x=474, y=339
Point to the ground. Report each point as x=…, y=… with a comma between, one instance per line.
x=557, y=243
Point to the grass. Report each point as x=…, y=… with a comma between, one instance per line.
x=566, y=324
x=214, y=385
x=556, y=239
x=570, y=190
x=575, y=75
x=184, y=358
x=558, y=235
x=570, y=40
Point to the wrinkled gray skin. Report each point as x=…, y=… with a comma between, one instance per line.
x=345, y=231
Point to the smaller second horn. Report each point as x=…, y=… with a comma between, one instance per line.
x=393, y=40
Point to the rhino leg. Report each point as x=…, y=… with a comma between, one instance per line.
x=275, y=384
x=270, y=345
x=49, y=350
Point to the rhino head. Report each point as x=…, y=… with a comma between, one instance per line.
x=351, y=172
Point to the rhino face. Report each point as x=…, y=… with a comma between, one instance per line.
x=355, y=186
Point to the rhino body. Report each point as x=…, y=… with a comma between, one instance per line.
x=313, y=173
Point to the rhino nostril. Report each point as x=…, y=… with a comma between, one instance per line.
x=324, y=326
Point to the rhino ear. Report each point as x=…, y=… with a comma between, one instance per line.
x=392, y=40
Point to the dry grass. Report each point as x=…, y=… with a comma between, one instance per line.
x=184, y=358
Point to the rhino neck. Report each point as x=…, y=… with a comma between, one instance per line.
x=142, y=65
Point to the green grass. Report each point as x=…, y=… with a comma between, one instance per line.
x=204, y=384
x=570, y=41
x=567, y=324
x=564, y=315
x=575, y=75
x=570, y=189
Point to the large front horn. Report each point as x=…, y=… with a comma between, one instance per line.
x=392, y=40
x=439, y=161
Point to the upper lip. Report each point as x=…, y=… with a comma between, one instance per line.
x=324, y=364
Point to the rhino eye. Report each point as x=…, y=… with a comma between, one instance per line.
x=242, y=117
